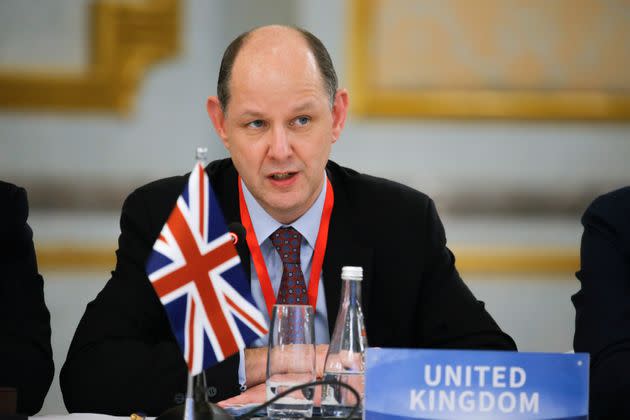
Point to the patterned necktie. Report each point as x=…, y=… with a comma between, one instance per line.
x=292, y=288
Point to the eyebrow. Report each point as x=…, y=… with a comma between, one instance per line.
x=307, y=105
x=250, y=114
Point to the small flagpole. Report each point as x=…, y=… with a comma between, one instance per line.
x=189, y=409
x=197, y=403
x=201, y=155
x=196, y=386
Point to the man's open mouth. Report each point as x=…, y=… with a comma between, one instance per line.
x=279, y=176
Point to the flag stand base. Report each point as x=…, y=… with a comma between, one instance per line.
x=197, y=406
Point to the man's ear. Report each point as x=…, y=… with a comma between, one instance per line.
x=339, y=112
x=215, y=112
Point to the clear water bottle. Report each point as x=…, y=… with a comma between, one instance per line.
x=345, y=361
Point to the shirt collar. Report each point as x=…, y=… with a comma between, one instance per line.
x=307, y=224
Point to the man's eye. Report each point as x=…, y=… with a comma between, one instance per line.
x=256, y=124
x=302, y=121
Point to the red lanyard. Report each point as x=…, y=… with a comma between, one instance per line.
x=318, y=253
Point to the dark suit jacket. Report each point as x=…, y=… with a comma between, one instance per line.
x=123, y=356
x=602, y=306
x=25, y=353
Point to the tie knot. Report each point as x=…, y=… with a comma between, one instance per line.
x=286, y=241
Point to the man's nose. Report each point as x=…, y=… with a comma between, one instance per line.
x=279, y=145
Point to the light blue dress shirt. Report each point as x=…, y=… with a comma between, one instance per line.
x=308, y=226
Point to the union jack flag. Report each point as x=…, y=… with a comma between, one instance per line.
x=196, y=272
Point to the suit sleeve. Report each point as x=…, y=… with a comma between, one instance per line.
x=123, y=357
x=25, y=353
x=451, y=316
x=602, y=323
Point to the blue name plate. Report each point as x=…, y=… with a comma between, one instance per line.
x=471, y=384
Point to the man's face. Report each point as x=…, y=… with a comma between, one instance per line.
x=279, y=127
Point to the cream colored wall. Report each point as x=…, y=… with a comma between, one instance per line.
x=37, y=34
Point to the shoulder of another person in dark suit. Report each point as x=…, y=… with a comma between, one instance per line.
x=14, y=208
x=610, y=213
x=25, y=320
x=15, y=235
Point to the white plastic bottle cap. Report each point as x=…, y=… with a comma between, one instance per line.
x=352, y=273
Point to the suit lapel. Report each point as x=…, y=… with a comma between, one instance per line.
x=344, y=247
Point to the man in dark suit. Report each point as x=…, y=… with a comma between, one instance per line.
x=278, y=112
x=602, y=306
x=25, y=353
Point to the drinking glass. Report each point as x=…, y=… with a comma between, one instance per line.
x=291, y=360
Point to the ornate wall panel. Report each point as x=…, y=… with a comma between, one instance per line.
x=491, y=58
x=125, y=39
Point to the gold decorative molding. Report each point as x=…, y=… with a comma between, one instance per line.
x=517, y=260
x=75, y=257
x=488, y=260
x=384, y=70
x=126, y=38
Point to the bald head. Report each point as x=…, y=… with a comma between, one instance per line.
x=270, y=49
